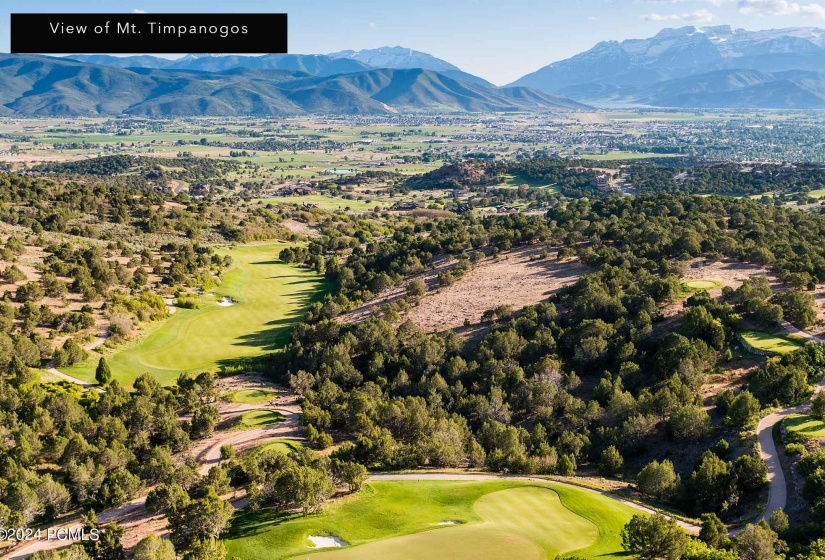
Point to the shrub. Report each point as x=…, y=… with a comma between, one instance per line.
x=794, y=449
x=611, y=461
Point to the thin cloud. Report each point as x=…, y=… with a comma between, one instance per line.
x=714, y=2
x=136, y=11
x=780, y=8
x=699, y=16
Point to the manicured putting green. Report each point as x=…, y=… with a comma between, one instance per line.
x=259, y=419
x=805, y=427
x=701, y=284
x=280, y=446
x=250, y=396
x=401, y=520
x=767, y=342
x=271, y=296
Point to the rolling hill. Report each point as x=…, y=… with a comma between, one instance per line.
x=47, y=86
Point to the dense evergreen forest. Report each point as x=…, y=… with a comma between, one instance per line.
x=608, y=373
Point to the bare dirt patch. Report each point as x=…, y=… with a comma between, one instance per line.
x=733, y=378
x=729, y=272
x=513, y=279
x=301, y=228
x=510, y=279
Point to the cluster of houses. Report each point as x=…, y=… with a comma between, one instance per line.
x=391, y=163
x=605, y=183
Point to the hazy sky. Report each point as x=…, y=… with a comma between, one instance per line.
x=499, y=40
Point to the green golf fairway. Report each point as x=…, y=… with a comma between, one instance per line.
x=280, y=446
x=702, y=284
x=250, y=396
x=805, y=427
x=259, y=419
x=770, y=343
x=408, y=520
x=270, y=297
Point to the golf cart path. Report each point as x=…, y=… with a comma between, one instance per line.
x=777, y=485
x=687, y=526
x=208, y=453
x=98, y=341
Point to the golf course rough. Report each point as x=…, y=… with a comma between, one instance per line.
x=271, y=296
x=401, y=520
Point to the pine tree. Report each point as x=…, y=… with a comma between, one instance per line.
x=103, y=374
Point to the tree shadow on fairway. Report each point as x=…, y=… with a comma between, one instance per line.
x=277, y=332
x=273, y=337
x=248, y=523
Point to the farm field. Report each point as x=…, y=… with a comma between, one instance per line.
x=803, y=426
x=270, y=297
x=768, y=342
x=442, y=519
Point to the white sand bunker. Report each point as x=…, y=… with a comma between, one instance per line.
x=326, y=542
x=226, y=301
x=213, y=294
x=449, y=523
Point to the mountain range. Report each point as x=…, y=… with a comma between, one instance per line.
x=710, y=67
x=344, y=62
x=48, y=86
x=688, y=67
